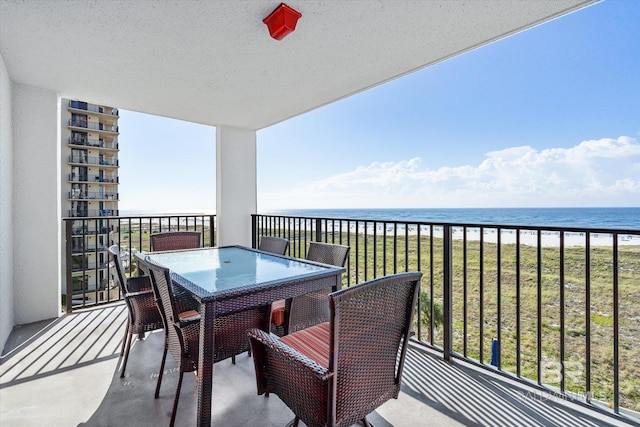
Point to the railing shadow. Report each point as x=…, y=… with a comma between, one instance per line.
x=69, y=342
x=475, y=398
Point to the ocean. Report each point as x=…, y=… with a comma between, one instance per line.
x=618, y=218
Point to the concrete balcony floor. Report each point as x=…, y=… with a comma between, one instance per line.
x=65, y=373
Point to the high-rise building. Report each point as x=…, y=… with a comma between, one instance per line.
x=89, y=190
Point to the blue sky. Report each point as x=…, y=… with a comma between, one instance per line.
x=547, y=117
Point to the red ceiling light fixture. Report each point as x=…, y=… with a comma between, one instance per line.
x=282, y=21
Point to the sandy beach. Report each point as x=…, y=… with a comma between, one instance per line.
x=507, y=236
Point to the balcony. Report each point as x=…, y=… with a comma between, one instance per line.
x=93, y=178
x=90, y=265
x=84, y=249
x=91, y=160
x=537, y=312
x=28, y=112
x=83, y=195
x=85, y=124
x=97, y=143
x=79, y=105
x=90, y=231
x=82, y=213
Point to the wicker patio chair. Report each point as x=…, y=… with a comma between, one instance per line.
x=182, y=327
x=175, y=240
x=141, y=305
x=337, y=372
x=310, y=309
x=275, y=245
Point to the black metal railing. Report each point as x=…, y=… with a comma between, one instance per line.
x=73, y=177
x=92, y=160
x=92, y=195
x=89, y=142
x=81, y=123
x=556, y=308
x=88, y=273
x=81, y=105
x=82, y=213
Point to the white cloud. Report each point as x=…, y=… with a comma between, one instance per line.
x=604, y=172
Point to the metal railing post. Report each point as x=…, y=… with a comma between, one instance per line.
x=68, y=266
x=254, y=231
x=318, y=230
x=447, y=292
x=212, y=231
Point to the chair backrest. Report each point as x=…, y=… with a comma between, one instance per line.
x=162, y=288
x=114, y=252
x=143, y=265
x=312, y=308
x=175, y=240
x=275, y=245
x=328, y=253
x=370, y=326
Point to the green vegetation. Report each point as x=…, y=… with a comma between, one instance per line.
x=483, y=284
x=426, y=312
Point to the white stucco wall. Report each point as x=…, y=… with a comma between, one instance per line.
x=236, y=188
x=6, y=217
x=36, y=204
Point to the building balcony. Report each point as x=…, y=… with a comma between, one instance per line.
x=91, y=266
x=92, y=160
x=80, y=178
x=81, y=213
x=84, y=106
x=86, y=249
x=79, y=195
x=85, y=124
x=95, y=143
x=95, y=229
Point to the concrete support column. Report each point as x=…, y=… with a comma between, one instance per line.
x=36, y=204
x=236, y=187
x=6, y=210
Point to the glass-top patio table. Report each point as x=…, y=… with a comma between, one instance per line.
x=234, y=278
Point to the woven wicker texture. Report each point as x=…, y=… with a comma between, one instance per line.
x=370, y=326
x=141, y=305
x=182, y=335
x=312, y=308
x=175, y=240
x=279, y=246
x=274, y=245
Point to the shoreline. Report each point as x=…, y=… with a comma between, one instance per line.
x=507, y=236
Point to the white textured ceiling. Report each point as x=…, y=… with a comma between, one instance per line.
x=214, y=62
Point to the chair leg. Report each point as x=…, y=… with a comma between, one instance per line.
x=126, y=355
x=164, y=358
x=124, y=339
x=233, y=360
x=365, y=422
x=294, y=422
x=175, y=401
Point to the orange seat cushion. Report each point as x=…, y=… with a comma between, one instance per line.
x=277, y=313
x=313, y=342
x=189, y=315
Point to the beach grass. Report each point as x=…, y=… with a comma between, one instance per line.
x=507, y=281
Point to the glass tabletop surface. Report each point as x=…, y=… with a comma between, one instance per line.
x=226, y=268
